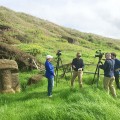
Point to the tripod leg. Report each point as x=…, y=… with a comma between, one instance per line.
x=98, y=75
x=95, y=74
x=71, y=71
x=64, y=69
x=56, y=77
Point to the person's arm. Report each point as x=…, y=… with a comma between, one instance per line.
x=118, y=62
x=83, y=65
x=73, y=64
x=103, y=66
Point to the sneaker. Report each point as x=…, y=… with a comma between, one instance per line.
x=50, y=96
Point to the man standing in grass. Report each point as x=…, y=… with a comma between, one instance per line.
x=49, y=74
x=109, y=78
x=77, y=65
x=116, y=69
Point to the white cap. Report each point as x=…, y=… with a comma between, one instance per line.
x=49, y=56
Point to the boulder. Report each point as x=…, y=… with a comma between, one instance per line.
x=35, y=79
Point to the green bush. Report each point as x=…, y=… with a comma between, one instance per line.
x=33, y=49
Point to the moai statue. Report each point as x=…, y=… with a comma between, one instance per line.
x=9, y=76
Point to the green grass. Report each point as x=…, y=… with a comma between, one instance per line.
x=88, y=103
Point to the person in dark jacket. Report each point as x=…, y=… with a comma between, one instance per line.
x=49, y=74
x=116, y=69
x=77, y=65
x=109, y=78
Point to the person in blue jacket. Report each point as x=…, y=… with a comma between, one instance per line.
x=116, y=69
x=108, y=81
x=49, y=74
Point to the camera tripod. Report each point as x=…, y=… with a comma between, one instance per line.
x=97, y=72
x=59, y=61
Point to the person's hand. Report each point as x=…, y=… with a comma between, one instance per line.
x=117, y=69
x=73, y=66
x=99, y=64
x=80, y=69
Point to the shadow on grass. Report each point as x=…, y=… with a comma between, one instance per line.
x=62, y=94
x=26, y=95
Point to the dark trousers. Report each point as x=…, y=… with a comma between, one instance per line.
x=117, y=80
x=50, y=85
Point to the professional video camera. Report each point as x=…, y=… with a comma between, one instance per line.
x=59, y=53
x=99, y=54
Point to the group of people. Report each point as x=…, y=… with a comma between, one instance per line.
x=111, y=69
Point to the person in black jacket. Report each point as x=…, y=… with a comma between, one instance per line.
x=109, y=78
x=77, y=65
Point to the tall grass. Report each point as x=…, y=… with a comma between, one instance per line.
x=87, y=103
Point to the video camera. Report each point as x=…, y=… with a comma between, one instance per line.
x=99, y=54
x=59, y=53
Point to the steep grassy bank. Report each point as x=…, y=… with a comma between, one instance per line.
x=25, y=31
x=20, y=27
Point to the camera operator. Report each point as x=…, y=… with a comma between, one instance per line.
x=116, y=69
x=77, y=65
x=109, y=78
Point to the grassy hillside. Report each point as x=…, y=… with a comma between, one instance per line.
x=26, y=28
x=20, y=28
x=32, y=34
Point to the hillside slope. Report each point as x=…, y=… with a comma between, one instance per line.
x=40, y=37
x=20, y=27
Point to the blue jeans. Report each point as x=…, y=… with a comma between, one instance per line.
x=50, y=85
